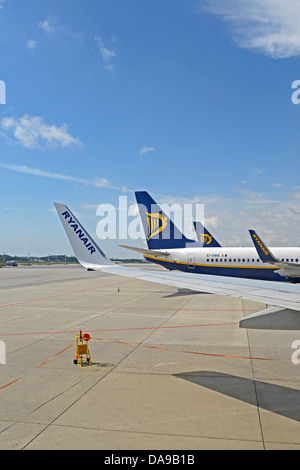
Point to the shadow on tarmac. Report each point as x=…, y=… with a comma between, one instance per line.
x=284, y=401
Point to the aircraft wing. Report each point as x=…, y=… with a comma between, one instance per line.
x=284, y=296
x=286, y=269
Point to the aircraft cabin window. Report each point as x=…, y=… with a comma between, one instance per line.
x=234, y=260
x=292, y=260
x=296, y=260
x=287, y=260
x=252, y=260
x=207, y=260
x=243, y=260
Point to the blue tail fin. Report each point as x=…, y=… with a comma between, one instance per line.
x=263, y=251
x=160, y=231
x=205, y=237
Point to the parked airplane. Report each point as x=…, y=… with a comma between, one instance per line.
x=175, y=252
x=285, y=298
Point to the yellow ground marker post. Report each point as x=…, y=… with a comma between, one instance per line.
x=82, y=357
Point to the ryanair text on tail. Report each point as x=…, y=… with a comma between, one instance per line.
x=79, y=232
x=259, y=242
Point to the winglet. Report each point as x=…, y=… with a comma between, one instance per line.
x=263, y=251
x=85, y=248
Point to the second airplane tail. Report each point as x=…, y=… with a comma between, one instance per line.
x=205, y=237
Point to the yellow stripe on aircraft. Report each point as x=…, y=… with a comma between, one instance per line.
x=210, y=265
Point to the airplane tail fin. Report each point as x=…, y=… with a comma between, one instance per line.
x=160, y=231
x=85, y=248
x=263, y=251
x=205, y=237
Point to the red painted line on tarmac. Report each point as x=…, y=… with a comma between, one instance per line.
x=34, y=368
x=195, y=352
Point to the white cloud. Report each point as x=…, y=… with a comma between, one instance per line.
x=146, y=150
x=101, y=183
x=229, y=220
x=96, y=182
x=44, y=174
x=31, y=44
x=47, y=26
x=257, y=172
x=32, y=132
x=107, y=54
x=212, y=222
x=270, y=27
x=295, y=194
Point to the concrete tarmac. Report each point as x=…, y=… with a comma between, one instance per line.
x=171, y=371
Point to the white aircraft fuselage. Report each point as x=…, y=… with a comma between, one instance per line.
x=227, y=261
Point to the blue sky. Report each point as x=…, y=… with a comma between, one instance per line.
x=187, y=99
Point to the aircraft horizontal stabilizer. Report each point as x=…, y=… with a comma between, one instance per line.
x=144, y=251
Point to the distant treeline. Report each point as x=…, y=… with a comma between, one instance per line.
x=38, y=259
x=7, y=259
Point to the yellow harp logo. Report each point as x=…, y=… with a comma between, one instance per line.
x=156, y=224
x=205, y=239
